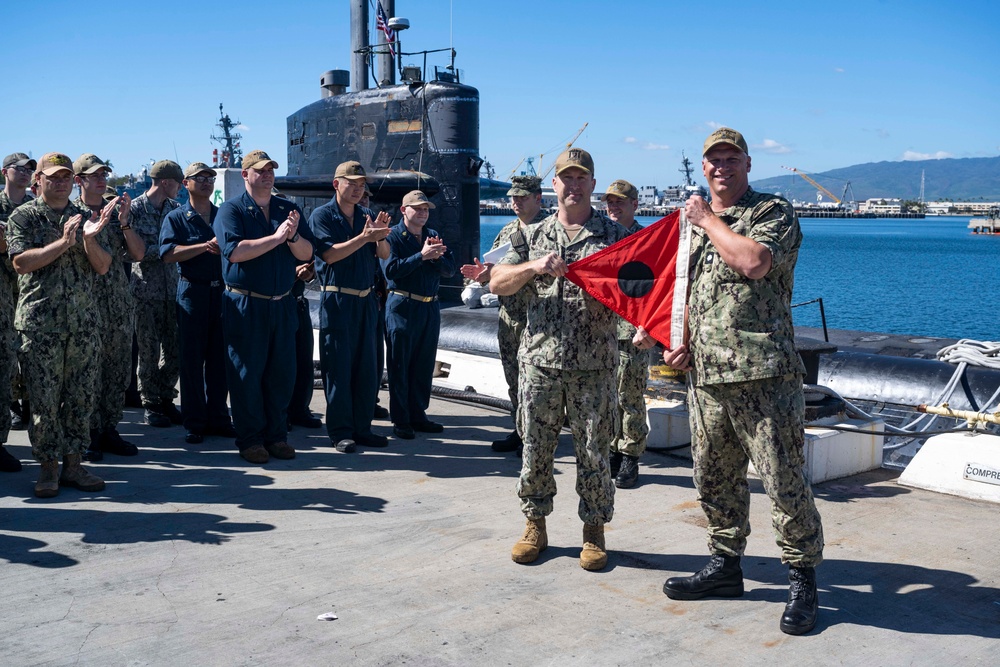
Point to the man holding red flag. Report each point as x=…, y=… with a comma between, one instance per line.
x=745, y=395
x=568, y=353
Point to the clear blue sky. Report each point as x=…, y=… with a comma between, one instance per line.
x=811, y=87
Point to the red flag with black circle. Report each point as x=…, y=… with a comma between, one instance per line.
x=641, y=279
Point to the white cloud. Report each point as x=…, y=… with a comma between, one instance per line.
x=712, y=124
x=838, y=70
x=630, y=140
x=656, y=147
x=914, y=155
x=771, y=146
x=241, y=126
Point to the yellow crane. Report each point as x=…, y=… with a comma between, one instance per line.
x=813, y=183
x=531, y=160
x=569, y=144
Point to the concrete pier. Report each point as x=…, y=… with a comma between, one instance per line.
x=191, y=556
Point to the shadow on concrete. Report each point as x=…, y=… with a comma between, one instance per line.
x=24, y=550
x=863, y=486
x=118, y=527
x=893, y=596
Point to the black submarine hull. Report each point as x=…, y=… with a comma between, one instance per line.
x=400, y=134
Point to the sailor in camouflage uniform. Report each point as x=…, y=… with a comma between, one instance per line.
x=114, y=305
x=568, y=355
x=746, y=397
x=622, y=199
x=17, y=171
x=526, y=199
x=56, y=252
x=154, y=286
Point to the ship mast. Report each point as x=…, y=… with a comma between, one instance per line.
x=686, y=169
x=232, y=155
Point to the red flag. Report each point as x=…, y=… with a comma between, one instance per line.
x=641, y=279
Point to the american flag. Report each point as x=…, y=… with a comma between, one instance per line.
x=382, y=23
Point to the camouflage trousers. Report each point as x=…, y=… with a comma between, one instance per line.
x=509, y=336
x=759, y=421
x=114, y=371
x=156, y=333
x=61, y=372
x=633, y=369
x=587, y=398
x=8, y=369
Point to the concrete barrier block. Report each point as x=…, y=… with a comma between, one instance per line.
x=958, y=464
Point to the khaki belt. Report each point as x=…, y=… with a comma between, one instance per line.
x=415, y=297
x=255, y=295
x=347, y=290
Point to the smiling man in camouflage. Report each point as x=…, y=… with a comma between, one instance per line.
x=568, y=355
x=55, y=250
x=746, y=398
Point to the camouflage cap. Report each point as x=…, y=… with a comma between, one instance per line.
x=19, y=160
x=167, y=169
x=368, y=190
x=725, y=135
x=53, y=163
x=196, y=168
x=257, y=160
x=416, y=198
x=621, y=188
x=575, y=157
x=521, y=186
x=88, y=163
x=110, y=192
x=351, y=170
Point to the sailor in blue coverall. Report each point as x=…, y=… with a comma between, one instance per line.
x=349, y=240
x=188, y=239
x=417, y=261
x=261, y=242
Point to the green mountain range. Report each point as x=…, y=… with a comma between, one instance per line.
x=953, y=179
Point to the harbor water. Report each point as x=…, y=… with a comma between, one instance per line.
x=928, y=277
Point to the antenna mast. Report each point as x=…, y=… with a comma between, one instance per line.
x=232, y=155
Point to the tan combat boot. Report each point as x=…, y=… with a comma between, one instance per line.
x=533, y=543
x=75, y=475
x=593, y=556
x=47, y=485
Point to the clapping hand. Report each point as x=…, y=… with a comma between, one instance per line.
x=434, y=248
x=478, y=271
x=377, y=229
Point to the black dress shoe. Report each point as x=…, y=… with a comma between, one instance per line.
x=403, y=432
x=8, y=462
x=615, y=463
x=221, y=430
x=305, y=421
x=112, y=442
x=509, y=444
x=803, y=602
x=380, y=413
x=94, y=452
x=155, y=418
x=721, y=578
x=628, y=472
x=427, y=427
x=371, y=440
x=345, y=446
x=17, y=421
x=172, y=413
x=193, y=438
